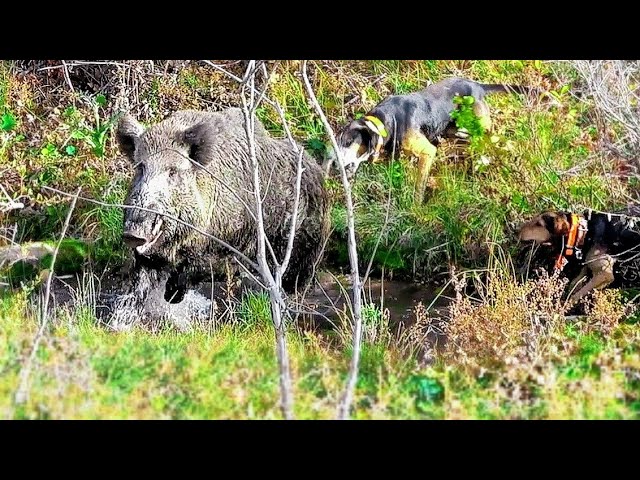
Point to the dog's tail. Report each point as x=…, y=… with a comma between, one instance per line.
x=500, y=88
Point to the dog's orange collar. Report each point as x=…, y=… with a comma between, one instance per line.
x=575, y=238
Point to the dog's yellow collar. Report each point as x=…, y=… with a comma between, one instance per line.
x=378, y=126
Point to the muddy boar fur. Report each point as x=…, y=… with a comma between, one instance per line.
x=170, y=159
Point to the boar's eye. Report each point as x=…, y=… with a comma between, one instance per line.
x=172, y=171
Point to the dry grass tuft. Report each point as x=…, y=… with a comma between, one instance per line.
x=513, y=323
x=605, y=310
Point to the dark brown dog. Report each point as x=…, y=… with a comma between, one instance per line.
x=590, y=244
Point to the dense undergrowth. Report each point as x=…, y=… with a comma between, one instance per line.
x=509, y=351
x=541, y=153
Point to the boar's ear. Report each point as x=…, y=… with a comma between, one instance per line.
x=127, y=133
x=199, y=138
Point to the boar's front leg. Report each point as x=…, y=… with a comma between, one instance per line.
x=146, y=286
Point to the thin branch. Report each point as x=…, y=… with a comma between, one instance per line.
x=294, y=216
x=278, y=108
x=236, y=78
x=6, y=194
x=81, y=64
x=22, y=394
x=347, y=398
x=67, y=77
x=10, y=203
x=273, y=284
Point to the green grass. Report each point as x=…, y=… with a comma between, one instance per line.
x=255, y=309
x=83, y=371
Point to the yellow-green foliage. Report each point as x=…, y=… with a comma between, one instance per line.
x=540, y=154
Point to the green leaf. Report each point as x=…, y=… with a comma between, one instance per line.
x=316, y=144
x=101, y=100
x=71, y=150
x=7, y=122
x=49, y=150
x=520, y=200
x=426, y=390
x=69, y=112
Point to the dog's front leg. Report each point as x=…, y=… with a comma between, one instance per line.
x=579, y=278
x=601, y=265
x=415, y=143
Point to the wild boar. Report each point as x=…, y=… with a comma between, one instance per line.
x=196, y=167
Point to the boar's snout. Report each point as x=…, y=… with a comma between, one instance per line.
x=142, y=230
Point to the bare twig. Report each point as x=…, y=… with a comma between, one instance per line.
x=273, y=282
x=79, y=63
x=237, y=79
x=5, y=193
x=10, y=203
x=612, y=86
x=22, y=394
x=65, y=69
x=278, y=108
x=347, y=398
x=294, y=217
x=7, y=207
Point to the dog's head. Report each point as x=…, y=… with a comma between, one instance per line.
x=543, y=228
x=357, y=143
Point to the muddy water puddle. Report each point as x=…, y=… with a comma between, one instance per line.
x=323, y=304
x=399, y=298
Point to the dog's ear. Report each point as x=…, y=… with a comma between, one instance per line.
x=356, y=131
x=556, y=222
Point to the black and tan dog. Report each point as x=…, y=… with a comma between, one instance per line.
x=413, y=123
x=598, y=248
